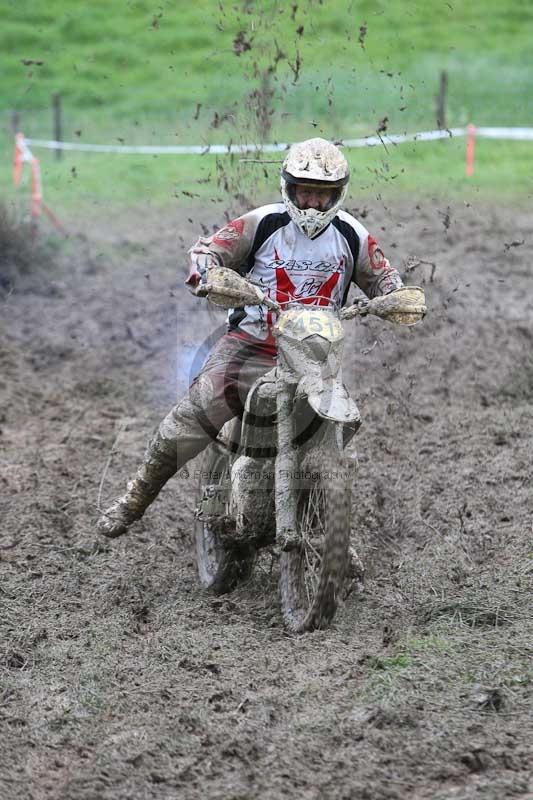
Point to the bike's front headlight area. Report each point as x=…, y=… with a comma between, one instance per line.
x=314, y=355
x=310, y=341
x=318, y=347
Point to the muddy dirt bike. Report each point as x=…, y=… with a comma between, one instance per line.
x=279, y=476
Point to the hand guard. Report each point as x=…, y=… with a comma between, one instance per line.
x=406, y=305
x=201, y=263
x=227, y=289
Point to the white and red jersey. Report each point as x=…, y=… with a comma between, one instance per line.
x=268, y=248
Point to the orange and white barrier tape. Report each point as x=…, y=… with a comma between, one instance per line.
x=516, y=134
x=471, y=132
x=23, y=155
x=470, y=148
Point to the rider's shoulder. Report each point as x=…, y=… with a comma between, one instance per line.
x=353, y=222
x=267, y=210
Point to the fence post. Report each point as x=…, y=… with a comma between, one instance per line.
x=470, y=147
x=15, y=121
x=56, y=103
x=441, y=100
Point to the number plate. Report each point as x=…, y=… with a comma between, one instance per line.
x=300, y=324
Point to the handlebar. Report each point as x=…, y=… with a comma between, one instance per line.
x=226, y=288
x=359, y=309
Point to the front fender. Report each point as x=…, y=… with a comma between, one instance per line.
x=329, y=399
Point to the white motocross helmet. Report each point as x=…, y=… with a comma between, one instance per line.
x=320, y=163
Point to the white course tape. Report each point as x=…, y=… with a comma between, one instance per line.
x=160, y=149
x=518, y=134
x=398, y=138
x=21, y=144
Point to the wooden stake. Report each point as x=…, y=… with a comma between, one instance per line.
x=441, y=101
x=470, y=147
x=56, y=105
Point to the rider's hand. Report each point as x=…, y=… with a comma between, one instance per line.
x=201, y=263
x=195, y=285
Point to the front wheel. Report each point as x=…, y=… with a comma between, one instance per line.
x=222, y=565
x=312, y=574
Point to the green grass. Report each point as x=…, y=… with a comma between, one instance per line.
x=134, y=57
x=83, y=182
x=170, y=74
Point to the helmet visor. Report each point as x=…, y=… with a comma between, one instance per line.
x=321, y=196
x=290, y=179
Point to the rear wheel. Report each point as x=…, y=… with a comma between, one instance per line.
x=313, y=573
x=221, y=563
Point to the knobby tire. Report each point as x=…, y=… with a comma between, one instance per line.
x=312, y=574
x=221, y=566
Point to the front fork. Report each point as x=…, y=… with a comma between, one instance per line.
x=286, y=467
x=288, y=464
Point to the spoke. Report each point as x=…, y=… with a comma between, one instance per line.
x=306, y=582
x=313, y=548
x=310, y=563
x=312, y=558
x=312, y=530
x=310, y=579
x=318, y=506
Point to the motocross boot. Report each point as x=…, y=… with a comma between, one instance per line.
x=160, y=463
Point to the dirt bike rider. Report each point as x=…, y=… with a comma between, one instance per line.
x=305, y=247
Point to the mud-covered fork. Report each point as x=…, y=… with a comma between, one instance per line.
x=286, y=467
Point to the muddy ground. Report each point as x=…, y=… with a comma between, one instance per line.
x=120, y=678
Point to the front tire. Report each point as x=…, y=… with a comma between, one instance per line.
x=313, y=573
x=221, y=564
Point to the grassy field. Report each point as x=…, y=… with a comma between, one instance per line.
x=88, y=184
x=135, y=58
x=271, y=71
